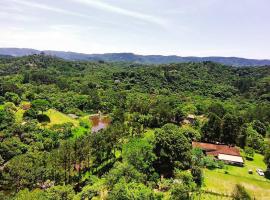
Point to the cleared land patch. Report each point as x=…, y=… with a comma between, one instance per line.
x=223, y=180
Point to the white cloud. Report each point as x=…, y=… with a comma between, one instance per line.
x=49, y=8
x=114, y=9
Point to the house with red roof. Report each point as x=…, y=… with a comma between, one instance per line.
x=226, y=153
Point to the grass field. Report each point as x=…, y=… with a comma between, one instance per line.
x=219, y=182
x=57, y=117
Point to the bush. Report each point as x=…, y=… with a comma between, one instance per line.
x=92, y=190
x=165, y=184
x=12, y=97
x=211, y=163
x=61, y=192
x=197, y=175
x=197, y=157
x=135, y=191
x=267, y=174
x=249, y=153
x=180, y=192
x=85, y=123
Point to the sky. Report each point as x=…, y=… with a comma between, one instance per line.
x=166, y=27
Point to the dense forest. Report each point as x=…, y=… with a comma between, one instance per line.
x=146, y=151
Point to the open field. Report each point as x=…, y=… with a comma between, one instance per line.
x=57, y=117
x=219, y=182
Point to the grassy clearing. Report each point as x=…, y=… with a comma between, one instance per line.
x=57, y=117
x=219, y=182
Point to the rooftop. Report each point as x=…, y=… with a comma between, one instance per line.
x=216, y=149
x=236, y=159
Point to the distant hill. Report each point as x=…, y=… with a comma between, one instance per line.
x=5, y=56
x=130, y=57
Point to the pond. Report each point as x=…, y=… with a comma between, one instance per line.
x=99, y=122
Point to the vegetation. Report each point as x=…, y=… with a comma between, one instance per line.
x=47, y=150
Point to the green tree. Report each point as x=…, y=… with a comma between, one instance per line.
x=212, y=128
x=124, y=171
x=191, y=133
x=19, y=174
x=249, y=153
x=197, y=174
x=230, y=129
x=139, y=153
x=254, y=139
x=197, y=157
x=180, y=192
x=172, y=149
x=40, y=105
x=267, y=160
x=217, y=109
x=60, y=192
x=6, y=118
x=12, y=97
x=259, y=127
x=132, y=190
x=11, y=147
x=25, y=194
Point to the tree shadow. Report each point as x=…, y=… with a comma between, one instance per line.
x=42, y=118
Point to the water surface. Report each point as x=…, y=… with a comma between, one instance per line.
x=99, y=122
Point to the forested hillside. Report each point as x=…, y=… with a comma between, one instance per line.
x=135, y=58
x=146, y=152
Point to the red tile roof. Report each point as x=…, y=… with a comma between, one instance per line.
x=215, y=149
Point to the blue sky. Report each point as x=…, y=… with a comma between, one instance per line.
x=168, y=27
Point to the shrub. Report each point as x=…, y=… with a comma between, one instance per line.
x=197, y=175
x=211, y=163
x=180, y=192
x=135, y=191
x=85, y=123
x=249, y=153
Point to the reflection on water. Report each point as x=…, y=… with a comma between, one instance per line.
x=99, y=123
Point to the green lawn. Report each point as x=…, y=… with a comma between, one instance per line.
x=259, y=187
x=57, y=117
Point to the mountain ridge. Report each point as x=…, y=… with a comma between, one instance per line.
x=131, y=57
